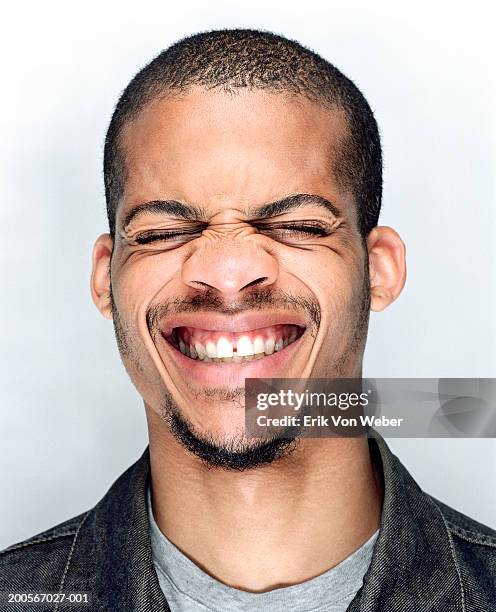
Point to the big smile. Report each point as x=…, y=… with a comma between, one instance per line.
x=220, y=346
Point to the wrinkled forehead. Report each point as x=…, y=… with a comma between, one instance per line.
x=214, y=148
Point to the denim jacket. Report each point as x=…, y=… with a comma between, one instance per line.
x=428, y=557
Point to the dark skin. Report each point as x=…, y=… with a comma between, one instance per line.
x=227, y=159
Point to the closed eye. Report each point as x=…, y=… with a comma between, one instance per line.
x=182, y=235
x=294, y=231
x=289, y=231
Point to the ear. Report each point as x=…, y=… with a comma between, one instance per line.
x=387, y=266
x=100, y=274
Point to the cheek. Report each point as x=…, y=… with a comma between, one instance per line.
x=137, y=283
x=333, y=277
x=142, y=277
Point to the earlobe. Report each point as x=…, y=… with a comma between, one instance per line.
x=387, y=266
x=100, y=274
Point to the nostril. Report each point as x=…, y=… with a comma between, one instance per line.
x=257, y=281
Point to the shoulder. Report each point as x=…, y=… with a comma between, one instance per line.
x=474, y=551
x=467, y=529
x=73, y=551
x=39, y=561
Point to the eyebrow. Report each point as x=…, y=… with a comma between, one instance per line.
x=195, y=213
x=291, y=203
x=165, y=207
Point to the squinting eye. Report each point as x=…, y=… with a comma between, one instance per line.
x=152, y=236
x=294, y=232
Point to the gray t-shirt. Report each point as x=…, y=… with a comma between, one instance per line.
x=187, y=588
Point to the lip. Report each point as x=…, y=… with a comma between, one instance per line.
x=233, y=374
x=236, y=323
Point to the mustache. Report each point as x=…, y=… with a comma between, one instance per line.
x=259, y=299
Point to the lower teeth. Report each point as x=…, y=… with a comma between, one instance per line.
x=234, y=359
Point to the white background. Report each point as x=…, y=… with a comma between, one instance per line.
x=70, y=421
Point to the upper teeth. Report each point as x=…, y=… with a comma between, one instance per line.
x=245, y=347
x=211, y=349
x=200, y=349
x=224, y=348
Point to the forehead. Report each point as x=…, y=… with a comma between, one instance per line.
x=216, y=149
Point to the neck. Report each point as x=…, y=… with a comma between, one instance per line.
x=273, y=526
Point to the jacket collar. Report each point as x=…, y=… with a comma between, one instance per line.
x=413, y=565
x=112, y=557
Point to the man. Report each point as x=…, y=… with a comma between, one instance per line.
x=243, y=185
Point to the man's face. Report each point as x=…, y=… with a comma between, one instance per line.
x=236, y=253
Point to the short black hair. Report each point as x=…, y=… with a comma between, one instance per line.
x=236, y=58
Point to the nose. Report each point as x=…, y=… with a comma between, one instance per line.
x=230, y=267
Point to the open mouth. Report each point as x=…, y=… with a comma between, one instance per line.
x=233, y=347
